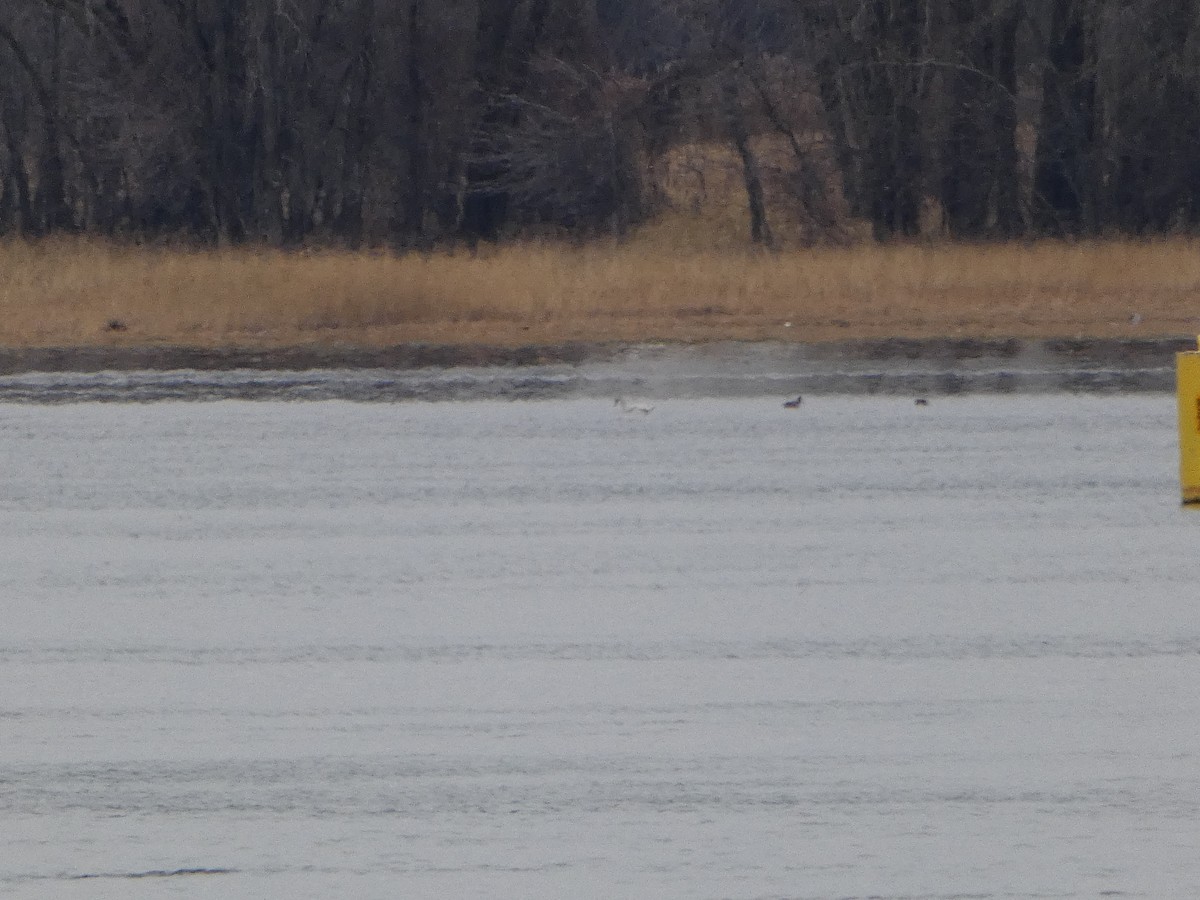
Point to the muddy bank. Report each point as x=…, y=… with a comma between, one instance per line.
x=721, y=369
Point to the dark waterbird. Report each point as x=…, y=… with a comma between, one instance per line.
x=793, y=404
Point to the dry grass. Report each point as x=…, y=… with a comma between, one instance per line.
x=655, y=287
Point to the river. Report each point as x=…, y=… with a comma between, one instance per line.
x=863, y=648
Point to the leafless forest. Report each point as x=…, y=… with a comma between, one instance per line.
x=408, y=123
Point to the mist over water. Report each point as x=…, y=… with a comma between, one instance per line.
x=545, y=649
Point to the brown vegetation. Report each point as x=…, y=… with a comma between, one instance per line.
x=657, y=286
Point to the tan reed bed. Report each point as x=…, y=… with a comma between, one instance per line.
x=83, y=292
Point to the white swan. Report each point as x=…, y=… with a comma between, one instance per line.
x=632, y=406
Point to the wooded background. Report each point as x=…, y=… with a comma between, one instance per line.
x=411, y=122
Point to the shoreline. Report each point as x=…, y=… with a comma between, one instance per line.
x=1114, y=353
x=89, y=305
x=655, y=371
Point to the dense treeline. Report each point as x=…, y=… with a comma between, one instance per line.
x=407, y=122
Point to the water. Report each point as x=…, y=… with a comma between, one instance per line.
x=678, y=371
x=543, y=649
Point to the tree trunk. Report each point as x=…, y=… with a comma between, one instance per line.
x=417, y=190
x=17, y=193
x=1065, y=176
x=980, y=177
x=760, y=228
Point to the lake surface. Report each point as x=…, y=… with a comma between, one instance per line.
x=543, y=649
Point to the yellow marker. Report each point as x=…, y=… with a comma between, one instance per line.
x=1187, y=381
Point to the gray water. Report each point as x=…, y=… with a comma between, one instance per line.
x=543, y=649
x=677, y=371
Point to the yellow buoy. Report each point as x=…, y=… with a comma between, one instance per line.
x=1187, y=382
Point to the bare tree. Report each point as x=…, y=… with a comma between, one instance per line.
x=407, y=122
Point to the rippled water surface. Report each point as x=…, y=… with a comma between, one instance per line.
x=543, y=649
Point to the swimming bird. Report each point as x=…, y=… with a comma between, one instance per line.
x=632, y=406
x=793, y=404
x=920, y=401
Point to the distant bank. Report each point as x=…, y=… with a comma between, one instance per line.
x=556, y=303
